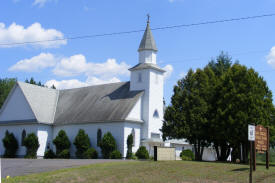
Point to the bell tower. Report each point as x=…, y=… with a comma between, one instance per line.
x=148, y=76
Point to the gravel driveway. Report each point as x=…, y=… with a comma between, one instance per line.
x=17, y=167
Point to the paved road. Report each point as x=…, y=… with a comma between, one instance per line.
x=17, y=167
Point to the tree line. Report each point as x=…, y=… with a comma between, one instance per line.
x=212, y=107
x=7, y=84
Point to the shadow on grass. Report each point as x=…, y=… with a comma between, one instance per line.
x=240, y=169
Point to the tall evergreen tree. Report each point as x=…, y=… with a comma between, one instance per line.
x=214, y=106
x=5, y=88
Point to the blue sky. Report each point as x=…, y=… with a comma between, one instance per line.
x=98, y=60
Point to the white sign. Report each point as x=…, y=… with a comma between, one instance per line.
x=251, y=132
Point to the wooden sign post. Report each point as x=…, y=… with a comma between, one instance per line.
x=261, y=144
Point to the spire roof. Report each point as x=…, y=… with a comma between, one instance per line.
x=147, y=42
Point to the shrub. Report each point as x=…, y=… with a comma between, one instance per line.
x=187, y=155
x=11, y=145
x=49, y=154
x=65, y=154
x=91, y=153
x=32, y=144
x=82, y=143
x=142, y=153
x=130, y=141
x=115, y=155
x=107, y=145
x=61, y=142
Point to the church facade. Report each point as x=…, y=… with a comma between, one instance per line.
x=120, y=108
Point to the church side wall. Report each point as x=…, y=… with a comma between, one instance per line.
x=135, y=129
x=135, y=113
x=17, y=107
x=44, y=133
x=116, y=128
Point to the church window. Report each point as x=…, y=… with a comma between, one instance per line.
x=99, y=136
x=139, y=78
x=134, y=136
x=23, y=136
x=156, y=114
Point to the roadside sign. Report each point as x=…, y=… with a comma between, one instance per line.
x=251, y=132
x=261, y=139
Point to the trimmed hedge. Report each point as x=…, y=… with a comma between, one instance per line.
x=10, y=144
x=107, y=145
x=32, y=144
x=130, y=141
x=142, y=153
x=115, y=155
x=91, y=153
x=62, y=143
x=82, y=143
x=187, y=155
x=49, y=154
x=65, y=154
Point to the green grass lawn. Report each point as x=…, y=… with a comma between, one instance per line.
x=151, y=172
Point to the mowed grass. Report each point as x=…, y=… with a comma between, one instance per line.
x=151, y=172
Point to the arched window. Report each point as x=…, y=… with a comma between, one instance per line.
x=156, y=114
x=99, y=135
x=23, y=136
x=134, y=136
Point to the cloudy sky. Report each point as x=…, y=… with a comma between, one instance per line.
x=104, y=59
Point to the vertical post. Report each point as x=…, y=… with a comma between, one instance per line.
x=155, y=153
x=251, y=157
x=267, y=150
x=254, y=156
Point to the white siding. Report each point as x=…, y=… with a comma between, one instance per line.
x=44, y=134
x=17, y=107
x=127, y=131
x=135, y=113
x=42, y=131
x=147, y=56
x=116, y=128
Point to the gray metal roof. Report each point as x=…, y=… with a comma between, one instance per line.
x=147, y=42
x=146, y=66
x=42, y=101
x=102, y=103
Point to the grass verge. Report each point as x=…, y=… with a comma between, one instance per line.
x=151, y=172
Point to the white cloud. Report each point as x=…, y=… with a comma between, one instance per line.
x=97, y=81
x=169, y=69
x=77, y=64
x=35, y=64
x=40, y=3
x=66, y=84
x=172, y=1
x=74, y=83
x=72, y=66
x=34, y=33
x=271, y=57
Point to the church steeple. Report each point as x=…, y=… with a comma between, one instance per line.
x=148, y=42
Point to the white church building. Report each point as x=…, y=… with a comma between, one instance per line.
x=120, y=108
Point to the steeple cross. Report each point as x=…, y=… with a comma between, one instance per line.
x=148, y=18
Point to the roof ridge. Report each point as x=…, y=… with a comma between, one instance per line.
x=115, y=83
